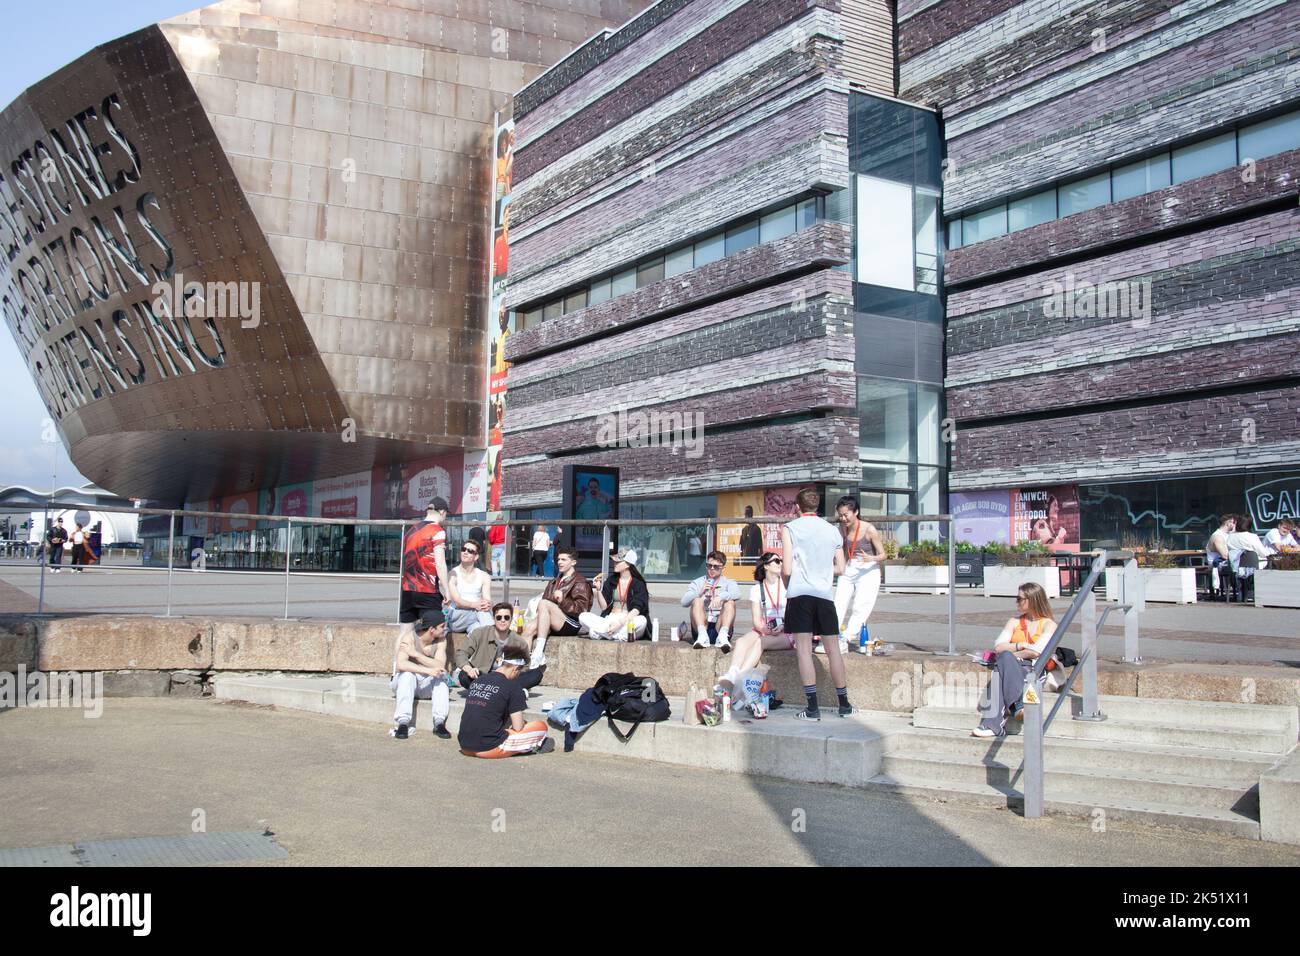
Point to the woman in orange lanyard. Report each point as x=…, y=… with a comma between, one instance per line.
x=1019, y=644
x=767, y=607
x=622, y=599
x=859, y=585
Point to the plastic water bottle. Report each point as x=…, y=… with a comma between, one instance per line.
x=864, y=640
x=654, y=630
x=726, y=706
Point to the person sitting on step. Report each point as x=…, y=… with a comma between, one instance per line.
x=420, y=670
x=623, y=600
x=712, y=599
x=1021, y=642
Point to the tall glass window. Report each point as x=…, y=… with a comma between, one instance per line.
x=742, y=237
x=1083, y=194
x=1144, y=176
x=987, y=224
x=1270, y=137
x=710, y=249
x=1205, y=157
x=1031, y=210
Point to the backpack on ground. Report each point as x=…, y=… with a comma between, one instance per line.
x=630, y=698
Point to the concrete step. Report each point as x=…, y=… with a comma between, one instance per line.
x=1121, y=730
x=1098, y=787
x=1063, y=803
x=1196, y=713
x=1091, y=755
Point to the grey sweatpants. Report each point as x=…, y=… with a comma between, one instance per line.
x=1004, y=689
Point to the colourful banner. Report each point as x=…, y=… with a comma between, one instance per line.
x=1049, y=516
x=500, y=322
x=347, y=496
x=292, y=501
x=404, y=490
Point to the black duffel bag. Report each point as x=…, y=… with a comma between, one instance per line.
x=632, y=699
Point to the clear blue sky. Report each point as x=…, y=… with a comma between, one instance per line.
x=38, y=38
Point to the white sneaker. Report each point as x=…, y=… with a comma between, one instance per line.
x=724, y=645
x=818, y=648
x=538, y=660
x=982, y=732
x=702, y=640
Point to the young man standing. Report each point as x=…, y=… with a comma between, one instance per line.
x=567, y=596
x=424, y=567
x=813, y=555
x=483, y=647
x=420, y=670
x=493, y=722
x=54, y=541
x=712, y=599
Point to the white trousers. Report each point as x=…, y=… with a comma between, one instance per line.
x=855, y=596
x=599, y=628
x=408, y=686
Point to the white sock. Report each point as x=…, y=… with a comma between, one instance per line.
x=724, y=635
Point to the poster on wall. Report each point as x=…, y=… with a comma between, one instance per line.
x=591, y=494
x=292, y=501
x=743, y=544
x=404, y=490
x=474, y=499
x=198, y=527
x=778, y=502
x=499, y=321
x=1049, y=516
x=243, y=504
x=347, y=496
x=981, y=517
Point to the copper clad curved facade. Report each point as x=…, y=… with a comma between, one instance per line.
x=248, y=246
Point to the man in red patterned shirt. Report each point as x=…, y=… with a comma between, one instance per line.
x=424, y=567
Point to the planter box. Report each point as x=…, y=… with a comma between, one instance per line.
x=1170, y=585
x=1002, y=580
x=900, y=578
x=1277, y=588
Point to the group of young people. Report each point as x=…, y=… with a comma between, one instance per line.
x=57, y=540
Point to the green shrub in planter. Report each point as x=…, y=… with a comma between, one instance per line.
x=1157, y=559
x=1027, y=554
x=923, y=554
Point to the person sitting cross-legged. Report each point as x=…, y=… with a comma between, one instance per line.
x=493, y=722
x=482, y=648
x=420, y=670
x=712, y=599
x=623, y=600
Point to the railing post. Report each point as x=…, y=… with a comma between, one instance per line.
x=401, y=550
x=952, y=592
x=288, y=553
x=604, y=549
x=1091, y=707
x=510, y=560
x=45, y=557
x=171, y=561
x=1033, y=714
x=1135, y=598
x=709, y=536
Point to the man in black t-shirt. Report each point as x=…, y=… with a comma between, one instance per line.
x=492, y=724
x=55, y=539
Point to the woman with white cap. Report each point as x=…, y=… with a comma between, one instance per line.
x=623, y=600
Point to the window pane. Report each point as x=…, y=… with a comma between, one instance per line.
x=884, y=234
x=624, y=282
x=675, y=263
x=954, y=233
x=884, y=419
x=929, y=446
x=1270, y=137
x=575, y=301
x=1201, y=159
x=1144, y=176
x=777, y=225
x=649, y=272
x=925, y=221
x=807, y=213
x=742, y=236
x=1083, y=194
x=978, y=226
x=531, y=318
x=709, y=249
x=1031, y=210
x=601, y=290
x=553, y=310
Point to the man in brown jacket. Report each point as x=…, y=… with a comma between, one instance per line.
x=482, y=648
x=566, y=596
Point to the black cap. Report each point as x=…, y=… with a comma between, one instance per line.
x=437, y=503
x=429, y=620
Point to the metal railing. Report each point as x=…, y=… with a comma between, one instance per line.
x=1085, y=604
x=710, y=524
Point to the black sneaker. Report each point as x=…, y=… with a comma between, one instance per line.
x=401, y=732
x=547, y=746
x=847, y=710
x=808, y=715
x=441, y=731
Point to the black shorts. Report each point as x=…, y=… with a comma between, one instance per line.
x=806, y=614
x=416, y=604
x=567, y=629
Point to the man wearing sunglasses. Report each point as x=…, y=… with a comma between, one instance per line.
x=567, y=596
x=712, y=599
x=481, y=651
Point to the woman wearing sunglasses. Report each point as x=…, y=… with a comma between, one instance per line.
x=1017, y=647
x=767, y=608
x=469, y=604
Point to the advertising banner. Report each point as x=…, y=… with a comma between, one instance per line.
x=347, y=496
x=741, y=543
x=1049, y=516
x=404, y=490
x=981, y=517
x=778, y=502
x=474, y=500
x=198, y=527
x=245, y=503
x=292, y=501
x=499, y=322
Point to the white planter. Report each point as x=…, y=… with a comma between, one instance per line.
x=1002, y=580
x=924, y=579
x=1169, y=585
x=1277, y=588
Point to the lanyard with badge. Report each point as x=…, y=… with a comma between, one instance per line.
x=772, y=607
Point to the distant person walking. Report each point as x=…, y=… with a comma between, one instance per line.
x=497, y=540
x=55, y=538
x=813, y=556
x=541, y=547
x=78, y=548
